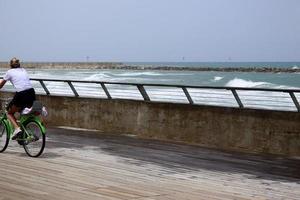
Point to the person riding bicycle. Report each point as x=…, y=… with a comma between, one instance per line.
x=25, y=95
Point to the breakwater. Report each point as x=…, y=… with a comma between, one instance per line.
x=122, y=66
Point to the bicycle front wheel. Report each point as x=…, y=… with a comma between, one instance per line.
x=34, y=142
x=4, y=137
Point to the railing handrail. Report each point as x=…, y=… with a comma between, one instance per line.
x=169, y=85
x=144, y=94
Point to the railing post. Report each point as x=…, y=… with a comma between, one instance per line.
x=105, y=90
x=187, y=94
x=44, y=87
x=237, y=98
x=143, y=92
x=295, y=101
x=73, y=89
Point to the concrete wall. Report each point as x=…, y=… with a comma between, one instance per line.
x=256, y=131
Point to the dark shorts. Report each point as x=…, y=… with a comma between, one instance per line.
x=23, y=99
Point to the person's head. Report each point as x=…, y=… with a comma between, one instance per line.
x=14, y=63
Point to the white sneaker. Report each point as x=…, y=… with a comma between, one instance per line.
x=16, y=133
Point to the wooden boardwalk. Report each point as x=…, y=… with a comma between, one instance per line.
x=79, y=165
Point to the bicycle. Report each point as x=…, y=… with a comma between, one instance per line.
x=33, y=137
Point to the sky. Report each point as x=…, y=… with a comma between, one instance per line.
x=150, y=30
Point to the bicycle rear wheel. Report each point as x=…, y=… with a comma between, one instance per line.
x=4, y=137
x=34, y=142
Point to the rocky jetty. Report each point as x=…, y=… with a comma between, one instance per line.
x=116, y=65
x=220, y=69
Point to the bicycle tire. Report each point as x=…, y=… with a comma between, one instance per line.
x=33, y=128
x=4, y=136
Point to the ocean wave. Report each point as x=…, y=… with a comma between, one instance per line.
x=97, y=77
x=237, y=82
x=140, y=74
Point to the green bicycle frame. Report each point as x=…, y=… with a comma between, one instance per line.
x=24, y=120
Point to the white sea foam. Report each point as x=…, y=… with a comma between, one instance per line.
x=97, y=77
x=237, y=82
x=119, y=77
x=218, y=78
x=140, y=74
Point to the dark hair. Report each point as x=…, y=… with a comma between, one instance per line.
x=14, y=63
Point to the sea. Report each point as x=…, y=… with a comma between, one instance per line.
x=182, y=77
x=278, y=80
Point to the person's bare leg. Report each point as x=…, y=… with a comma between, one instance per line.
x=11, y=115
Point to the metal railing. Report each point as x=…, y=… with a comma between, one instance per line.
x=259, y=98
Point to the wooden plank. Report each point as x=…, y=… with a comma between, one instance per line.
x=82, y=165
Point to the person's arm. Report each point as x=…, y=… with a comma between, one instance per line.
x=5, y=78
x=2, y=83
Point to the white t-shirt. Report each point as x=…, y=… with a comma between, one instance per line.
x=19, y=78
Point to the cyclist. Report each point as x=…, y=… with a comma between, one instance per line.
x=25, y=95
